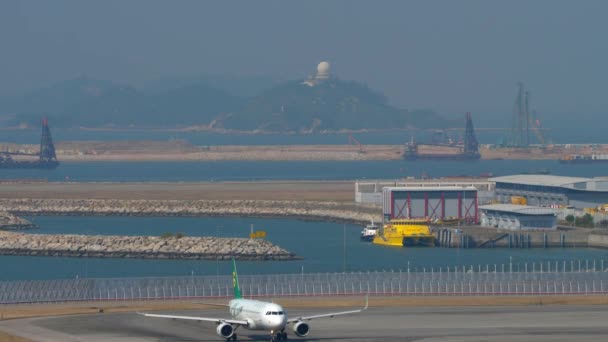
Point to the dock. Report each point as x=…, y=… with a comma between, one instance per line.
x=479, y=237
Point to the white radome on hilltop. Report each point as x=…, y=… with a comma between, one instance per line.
x=323, y=74
x=323, y=70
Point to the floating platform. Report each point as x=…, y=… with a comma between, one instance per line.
x=405, y=233
x=28, y=164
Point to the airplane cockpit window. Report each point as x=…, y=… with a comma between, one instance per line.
x=275, y=313
x=267, y=313
x=281, y=313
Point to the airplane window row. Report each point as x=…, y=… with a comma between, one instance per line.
x=268, y=313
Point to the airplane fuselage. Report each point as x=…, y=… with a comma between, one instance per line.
x=259, y=315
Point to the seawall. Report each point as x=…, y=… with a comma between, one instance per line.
x=598, y=240
x=9, y=221
x=148, y=247
x=307, y=210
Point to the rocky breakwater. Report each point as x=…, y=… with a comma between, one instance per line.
x=9, y=221
x=149, y=247
x=312, y=210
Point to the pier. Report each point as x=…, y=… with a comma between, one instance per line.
x=479, y=237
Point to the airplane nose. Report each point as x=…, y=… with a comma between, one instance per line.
x=279, y=322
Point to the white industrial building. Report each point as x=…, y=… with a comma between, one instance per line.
x=517, y=217
x=548, y=190
x=370, y=191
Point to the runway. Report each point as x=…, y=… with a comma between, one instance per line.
x=509, y=323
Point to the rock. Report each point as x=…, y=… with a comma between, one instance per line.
x=139, y=247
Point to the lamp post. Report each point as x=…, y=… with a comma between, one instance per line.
x=217, y=257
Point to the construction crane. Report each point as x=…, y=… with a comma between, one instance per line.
x=537, y=129
x=353, y=141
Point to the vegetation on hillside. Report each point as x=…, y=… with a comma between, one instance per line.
x=331, y=105
x=290, y=107
x=88, y=102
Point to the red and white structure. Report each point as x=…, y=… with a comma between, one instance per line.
x=436, y=203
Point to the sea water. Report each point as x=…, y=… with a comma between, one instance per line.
x=324, y=247
x=301, y=170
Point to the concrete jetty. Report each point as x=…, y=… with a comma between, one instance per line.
x=308, y=210
x=479, y=237
x=148, y=247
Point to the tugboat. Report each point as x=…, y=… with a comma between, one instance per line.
x=368, y=233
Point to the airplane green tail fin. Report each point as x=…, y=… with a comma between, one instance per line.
x=235, y=281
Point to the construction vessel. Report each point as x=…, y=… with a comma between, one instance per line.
x=45, y=159
x=405, y=233
x=447, y=149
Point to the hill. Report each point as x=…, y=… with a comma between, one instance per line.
x=331, y=105
x=89, y=102
x=241, y=86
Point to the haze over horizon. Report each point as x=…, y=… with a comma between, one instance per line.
x=447, y=56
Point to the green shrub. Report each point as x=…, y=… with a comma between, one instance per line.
x=584, y=221
x=166, y=235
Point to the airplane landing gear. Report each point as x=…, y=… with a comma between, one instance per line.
x=280, y=336
x=231, y=338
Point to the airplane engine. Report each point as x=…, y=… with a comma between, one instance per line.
x=225, y=330
x=301, y=329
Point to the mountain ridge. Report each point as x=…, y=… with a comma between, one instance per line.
x=291, y=106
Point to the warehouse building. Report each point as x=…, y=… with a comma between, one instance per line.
x=370, y=191
x=549, y=190
x=437, y=203
x=517, y=217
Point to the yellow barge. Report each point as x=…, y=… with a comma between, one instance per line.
x=405, y=232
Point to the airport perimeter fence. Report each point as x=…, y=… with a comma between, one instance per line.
x=544, y=278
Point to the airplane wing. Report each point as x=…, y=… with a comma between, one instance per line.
x=200, y=319
x=212, y=304
x=331, y=314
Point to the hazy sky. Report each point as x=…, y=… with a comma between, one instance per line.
x=451, y=56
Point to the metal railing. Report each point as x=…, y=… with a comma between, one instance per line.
x=537, y=278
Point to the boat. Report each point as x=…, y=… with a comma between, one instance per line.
x=584, y=159
x=446, y=148
x=44, y=159
x=368, y=233
x=405, y=233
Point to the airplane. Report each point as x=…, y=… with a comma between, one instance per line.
x=257, y=315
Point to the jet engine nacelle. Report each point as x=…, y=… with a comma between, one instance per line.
x=225, y=330
x=301, y=329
